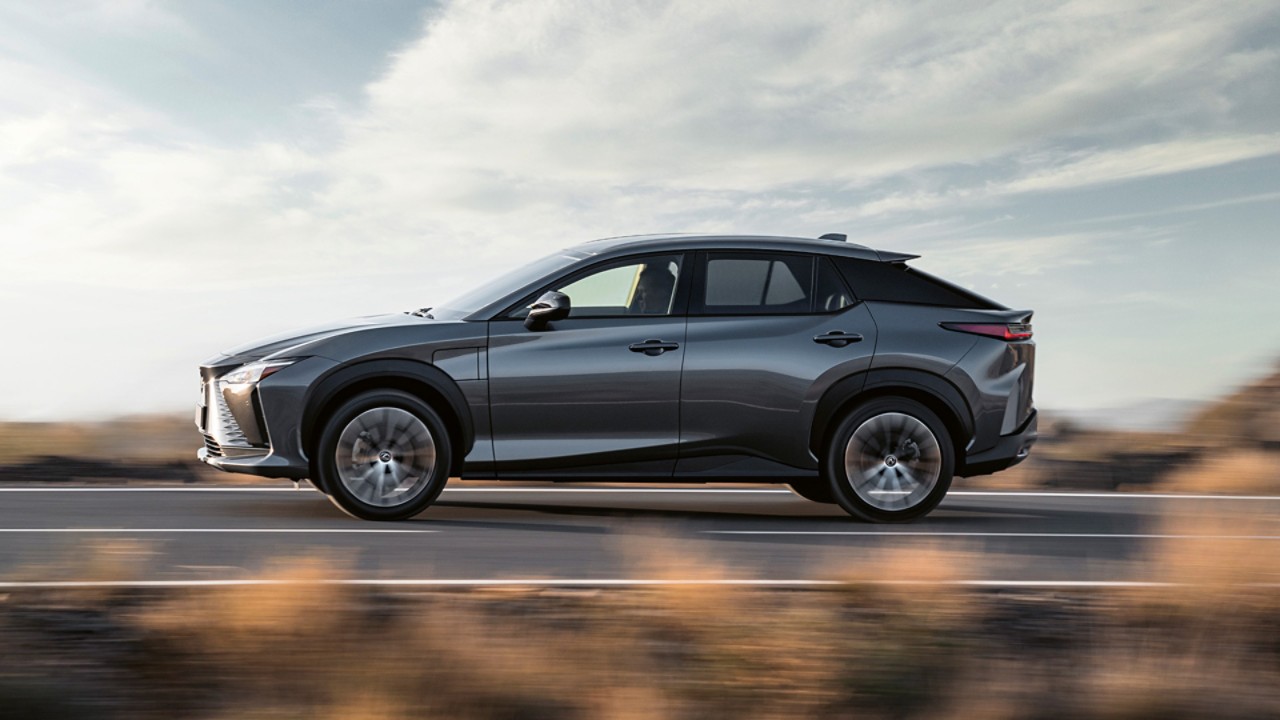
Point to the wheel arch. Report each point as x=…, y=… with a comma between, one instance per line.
x=932, y=391
x=425, y=382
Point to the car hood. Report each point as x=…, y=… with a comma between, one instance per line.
x=282, y=343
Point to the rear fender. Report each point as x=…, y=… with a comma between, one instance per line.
x=935, y=392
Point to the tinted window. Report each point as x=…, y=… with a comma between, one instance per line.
x=829, y=291
x=641, y=286
x=734, y=281
x=895, y=282
x=746, y=283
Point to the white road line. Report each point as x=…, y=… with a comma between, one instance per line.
x=299, y=531
x=654, y=491
x=571, y=582
x=152, y=488
x=591, y=583
x=232, y=488
x=648, y=491
x=926, y=533
x=1106, y=495
x=643, y=491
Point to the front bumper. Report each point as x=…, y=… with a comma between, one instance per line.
x=257, y=430
x=265, y=464
x=1008, y=451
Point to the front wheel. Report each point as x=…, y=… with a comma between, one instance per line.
x=890, y=460
x=384, y=455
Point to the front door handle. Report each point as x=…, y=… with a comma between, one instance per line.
x=837, y=338
x=653, y=347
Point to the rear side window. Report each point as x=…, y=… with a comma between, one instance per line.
x=753, y=284
x=895, y=282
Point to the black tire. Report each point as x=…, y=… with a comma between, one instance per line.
x=818, y=491
x=420, y=453
x=890, y=489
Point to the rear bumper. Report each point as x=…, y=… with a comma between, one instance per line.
x=1008, y=451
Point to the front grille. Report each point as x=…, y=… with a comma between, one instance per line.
x=230, y=429
x=212, y=446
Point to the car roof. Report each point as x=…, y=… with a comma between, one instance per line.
x=692, y=241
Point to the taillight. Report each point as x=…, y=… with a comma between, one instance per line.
x=999, y=331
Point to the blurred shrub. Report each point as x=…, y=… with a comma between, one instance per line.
x=1249, y=417
x=897, y=639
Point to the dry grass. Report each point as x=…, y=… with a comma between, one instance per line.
x=1235, y=472
x=109, y=560
x=897, y=639
x=1206, y=644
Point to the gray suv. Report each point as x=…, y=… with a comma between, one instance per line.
x=831, y=367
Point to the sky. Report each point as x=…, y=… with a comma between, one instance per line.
x=180, y=178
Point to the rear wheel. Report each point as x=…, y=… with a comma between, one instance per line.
x=384, y=455
x=890, y=460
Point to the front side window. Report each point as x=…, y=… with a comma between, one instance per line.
x=756, y=283
x=640, y=286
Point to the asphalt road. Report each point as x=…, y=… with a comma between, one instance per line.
x=565, y=535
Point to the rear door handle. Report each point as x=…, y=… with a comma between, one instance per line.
x=837, y=338
x=653, y=347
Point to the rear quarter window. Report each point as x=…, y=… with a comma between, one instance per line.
x=896, y=282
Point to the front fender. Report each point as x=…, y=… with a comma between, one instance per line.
x=431, y=383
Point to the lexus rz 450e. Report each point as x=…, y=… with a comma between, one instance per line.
x=832, y=367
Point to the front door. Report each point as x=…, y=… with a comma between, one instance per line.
x=598, y=393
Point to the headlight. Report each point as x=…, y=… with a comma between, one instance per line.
x=255, y=371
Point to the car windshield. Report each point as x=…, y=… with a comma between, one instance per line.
x=493, y=290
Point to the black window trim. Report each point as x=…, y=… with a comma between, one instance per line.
x=697, y=296
x=974, y=300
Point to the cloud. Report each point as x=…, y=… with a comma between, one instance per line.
x=604, y=117
x=1191, y=207
x=1099, y=167
x=553, y=121
x=1050, y=171
x=507, y=129
x=1018, y=256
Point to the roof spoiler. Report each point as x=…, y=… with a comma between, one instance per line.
x=895, y=257
x=884, y=255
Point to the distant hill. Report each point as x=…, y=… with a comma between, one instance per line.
x=1133, y=446
x=150, y=448
x=145, y=439
x=1170, y=443
x=1248, y=417
x=1158, y=415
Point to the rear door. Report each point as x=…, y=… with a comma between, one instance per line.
x=767, y=333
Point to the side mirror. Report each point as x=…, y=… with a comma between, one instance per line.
x=550, y=307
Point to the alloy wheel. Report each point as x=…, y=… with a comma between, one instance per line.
x=892, y=461
x=385, y=456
